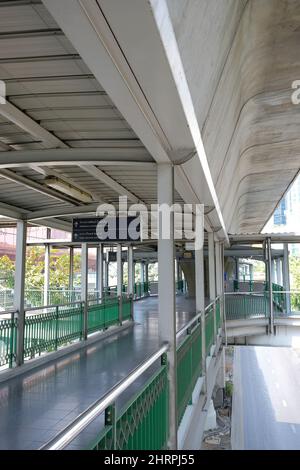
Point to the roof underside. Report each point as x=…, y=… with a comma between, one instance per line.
x=49, y=82
x=240, y=59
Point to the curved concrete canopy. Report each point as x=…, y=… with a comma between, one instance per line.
x=240, y=59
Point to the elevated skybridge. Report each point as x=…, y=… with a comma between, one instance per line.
x=162, y=102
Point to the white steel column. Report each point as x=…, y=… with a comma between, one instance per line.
x=211, y=266
x=84, y=285
x=278, y=271
x=71, y=269
x=219, y=273
x=119, y=270
x=130, y=270
x=166, y=290
x=106, y=270
x=142, y=273
x=46, y=273
x=99, y=286
x=212, y=274
x=273, y=271
x=269, y=270
x=20, y=287
x=286, y=276
x=119, y=279
x=200, y=299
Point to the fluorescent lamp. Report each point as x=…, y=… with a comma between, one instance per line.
x=67, y=188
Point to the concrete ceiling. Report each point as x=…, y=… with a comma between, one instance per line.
x=100, y=91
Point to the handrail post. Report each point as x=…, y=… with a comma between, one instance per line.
x=56, y=327
x=12, y=339
x=110, y=420
x=120, y=305
x=19, y=287
x=131, y=307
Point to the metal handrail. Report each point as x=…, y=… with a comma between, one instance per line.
x=246, y=293
x=257, y=293
x=195, y=318
x=188, y=325
x=44, y=307
x=9, y=312
x=70, y=432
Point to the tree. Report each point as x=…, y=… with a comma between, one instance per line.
x=7, y=272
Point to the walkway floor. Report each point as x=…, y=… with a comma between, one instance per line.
x=266, y=401
x=38, y=404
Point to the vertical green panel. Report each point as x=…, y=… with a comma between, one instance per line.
x=189, y=368
x=209, y=329
x=143, y=424
x=8, y=337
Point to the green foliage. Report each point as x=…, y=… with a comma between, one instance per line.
x=228, y=388
x=294, y=262
x=34, y=280
x=7, y=272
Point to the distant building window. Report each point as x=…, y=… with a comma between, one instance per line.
x=280, y=214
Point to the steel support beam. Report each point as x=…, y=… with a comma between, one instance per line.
x=146, y=272
x=212, y=274
x=12, y=212
x=47, y=268
x=19, y=290
x=211, y=267
x=142, y=272
x=110, y=182
x=34, y=185
x=200, y=300
x=130, y=270
x=71, y=268
x=100, y=270
x=286, y=276
x=279, y=271
x=84, y=286
x=120, y=280
x=22, y=120
x=219, y=272
x=166, y=292
x=84, y=156
x=269, y=275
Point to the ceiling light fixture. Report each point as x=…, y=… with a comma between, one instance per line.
x=67, y=188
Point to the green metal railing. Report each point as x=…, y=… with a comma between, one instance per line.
x=48, y=328
x=8, y=339
x=103, y=315
x=189, y=368
x=141, y=290
x=241, y=306
x=58, y=326
x=246, y=286
x=181, y=286
x=143, y=423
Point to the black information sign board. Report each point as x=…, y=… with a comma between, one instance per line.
x=113, y=229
